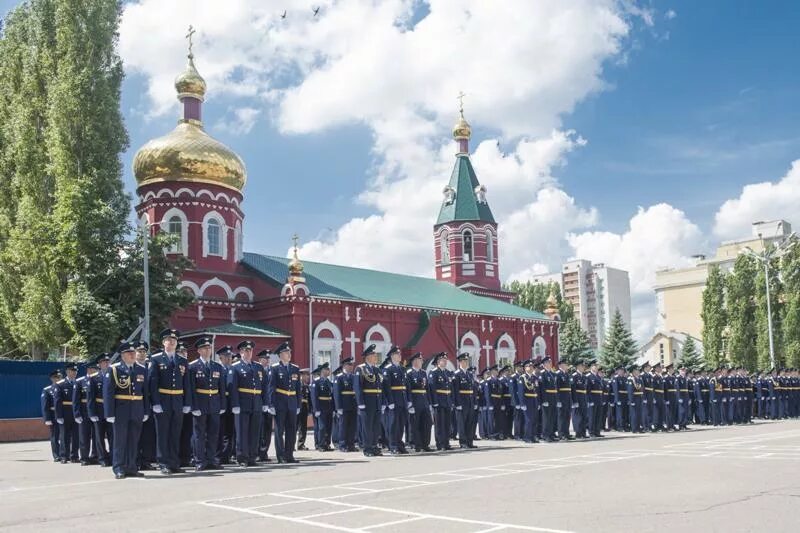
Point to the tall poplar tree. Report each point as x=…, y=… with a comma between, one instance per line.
x=714, y=316
x=741, y=306
x=790, y=325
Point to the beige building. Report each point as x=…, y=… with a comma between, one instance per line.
x=665, y=347
x=679, y=291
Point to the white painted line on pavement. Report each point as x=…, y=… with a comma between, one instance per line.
x=284, y=518
x=394, y=522
x=330, y=513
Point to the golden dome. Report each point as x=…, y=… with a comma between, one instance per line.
x=189, y=154
x=295, y=265
x=462, y=129
x=190, y=82
x=552, y=305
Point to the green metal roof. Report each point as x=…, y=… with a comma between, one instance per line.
x=244, y=328
x=358, y=284
x=466, y=205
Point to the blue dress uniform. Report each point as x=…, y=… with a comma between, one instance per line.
x=344, y=397
x=636, y=403
x=528, y=401
x=549, y=399
x=658, y=408
x=715, y=395
x=226, y=444
x=417, y=396
x=126, y=404
x=283, y=399
x=304, y=403
x=564, y=404
x=147, y=437
x=322, y=407
x=265, y=435
x=464, y=402
x=670, y=399
x=698, y=389
x=647, y=403
x=519, y=415
x=493, y=394
x=80, y=404
x=368, y=389
x=394, y=396
x=682, y=393
x=477, y=400
x=49, y=416
x=442, y=402
x=103, y=431
x=580, y=414
x=594, y=398
x=506, y=412
x=247, y=388
x=207, y=394
x=68, y=432
x=619, y=387
x=168, y=386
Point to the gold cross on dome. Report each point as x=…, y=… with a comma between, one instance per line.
x=295, y=238
x=189, y=36
x=460, y=99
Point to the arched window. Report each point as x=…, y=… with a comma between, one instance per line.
x=175, y=229
x=213, y=236
x=215, y=240
x=468, y=252
x=445, y=244
x=489, y=246
x=239, y=241
x=539, y=347
x=176, y=223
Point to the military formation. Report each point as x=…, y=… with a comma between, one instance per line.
x=163, y=412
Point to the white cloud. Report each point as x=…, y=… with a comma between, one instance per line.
x=670, y=14
x=239, y=121
x=760, y=201
x=657, y=237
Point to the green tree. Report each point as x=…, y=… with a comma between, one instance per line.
x=714, y=316
x=790, y=324
x=761, y=317
x=573, y=342
x=741, y=307
x=691, y=357
x=534, y=296
x=619, y=348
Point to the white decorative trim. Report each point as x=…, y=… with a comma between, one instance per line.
x=190, y=193
x=243, y=290
x=223, y=233
x=237, y=241
x=383, y=345
x=169, y=214
x=327, y=325
x=191, y=285
x=216, y=282
x=505, y=337
x=541, y=344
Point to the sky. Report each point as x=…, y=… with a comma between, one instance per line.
x=631, y=133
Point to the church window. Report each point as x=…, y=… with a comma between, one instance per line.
x=468, y=253
x=445, y=244
x=176, y=231
x=213, y=236
x=489, y=246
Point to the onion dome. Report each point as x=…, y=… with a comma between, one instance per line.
x=552, y=305
x=295, y=265
x=462, y=129
x=189, y=154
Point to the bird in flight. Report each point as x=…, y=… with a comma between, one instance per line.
x=316, y=11
x=284, y=14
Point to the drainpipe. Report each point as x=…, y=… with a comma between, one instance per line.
x=310, y=332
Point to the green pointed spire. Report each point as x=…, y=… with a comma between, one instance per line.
x=463, y=198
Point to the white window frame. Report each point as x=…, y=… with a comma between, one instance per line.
x=184, y=241
x=223, y=235
x=327, y=347
x=467, y=256
x=444, y=243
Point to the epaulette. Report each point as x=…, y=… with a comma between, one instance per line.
x=409, y=370
x=140, y=364
x=117, y=364
x=273, y=365
x=294, y=365
x=60, y=382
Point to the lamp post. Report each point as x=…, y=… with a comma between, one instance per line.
x=765, y=257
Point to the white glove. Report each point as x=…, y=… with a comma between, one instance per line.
x=724, y=400
x=436, y=405
x=196, y=412
x=362, y=407
x=236, y=410
x=79, y=420
x=157, y=409
x=391, y=406
x=619, y=403
x=298, y=411
x=60, y=420
x=558, y=404
x=264, y=408
x=94, y=418
x=574, y=405
x=411, y=410
x=222, y=411
x=145, y=417
x=340, y=412
x=502, y=407
x=459, y=408
x=186, y=409
x=110, y=419
x=271, y=410
x=680, y=400
x=491, y=408
x=591, y=405
x=715, y=401
x=317, y=413
x=524, y=407
x=545, y=404
x=48, y=423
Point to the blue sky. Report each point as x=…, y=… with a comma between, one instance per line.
x=682, y=103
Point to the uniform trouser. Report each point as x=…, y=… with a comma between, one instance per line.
x=102, y=432
x=265, y=436
x=226, y=444
x=396, y=422
x=302, y=425
x=147, y=442
x=370, y=422
x=619, y=415
x=498, y=417
x=549, y=413
x=421, y=427
x=68, y=439
x=464, y=425
x=716, y=413
x=453, y=424
x=637, y=414
x=185, y=441
x=519, y=422
x=169, y=424
x=86, y=440
x=669, y=418
x=473, y=423
x=563, y=419
x=285, y=432
x=646, y=412
x=683, y=412
x=491, y=432
x=611, y=413
x=659, y=410
x=324, y=422
x=595, y=409
x=347, y=429
x=205, y=437
x=248, y=429
x=482, y=431
x=441, y=420
x=529, y=429
x=335, y=424
x=702, y=411
x=579, y=415
x=55, y=440
x=126, y=444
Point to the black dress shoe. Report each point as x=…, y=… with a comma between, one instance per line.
x=119, y=475
x=302, y=447
x=63, y=461
x=84, y=463
x=368, y=453
x=292, y=460
x=135, y=474
x=200, y=468
x=252, y=463
x=281, y=460
x=177, y=470
x=242, y=464
x=471, y=446
x=165, y=471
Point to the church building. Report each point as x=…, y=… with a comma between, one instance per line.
x=192, y=185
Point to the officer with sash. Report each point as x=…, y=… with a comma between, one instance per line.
x=528, y=401
x=125, y=403
x=68, y=432
x=283, y=399
x=464, y=401
x=49, y=414
x=418, y=405
x=368, y=388
x=441, y=400
x=322, y=405
x=344, y=397
x=80, y=405
x=207, y=393
x=103, y=432
x=394, y=396
x=169, y=393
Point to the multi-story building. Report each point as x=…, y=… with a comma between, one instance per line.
x=679, y=291
x=596, y=292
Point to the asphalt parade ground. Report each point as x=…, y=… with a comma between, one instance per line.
x=741, y=478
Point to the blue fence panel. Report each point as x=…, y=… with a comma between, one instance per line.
x=21, y=384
